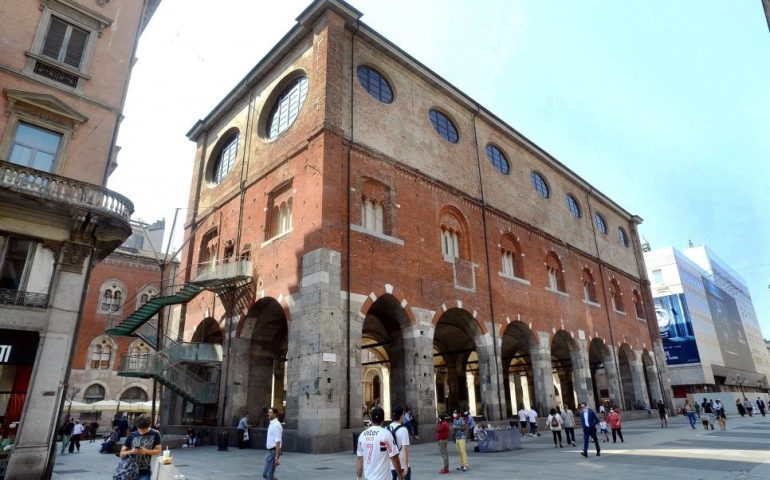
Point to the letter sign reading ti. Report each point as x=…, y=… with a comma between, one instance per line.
x=5, y=353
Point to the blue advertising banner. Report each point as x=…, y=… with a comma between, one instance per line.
x=676, y=330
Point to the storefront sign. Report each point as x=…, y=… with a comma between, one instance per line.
x=18, y=347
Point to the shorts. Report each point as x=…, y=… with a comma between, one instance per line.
x=522, y=424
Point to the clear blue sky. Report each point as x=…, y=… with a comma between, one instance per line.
x=662, y=105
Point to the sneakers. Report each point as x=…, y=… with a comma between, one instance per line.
x=443, y=471
x=464, y=468
x=584, y=454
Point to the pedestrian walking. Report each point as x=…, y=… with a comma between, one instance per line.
x=696, y=406
x=740, y=407
x=719, y=413
x=460, y=429
x=708, y=414
x=532, y=417
x=376, y=451
x=748, y=406
x=589, y=420
x=243, y=431
x=761, y=406
x=690, y=414
x=144, y=443
x=603, y=430
x=442, y=437
x=555, y=424
x=272, y=445
x=568, y=422
x=615, y=424
x=92, y=430
x=66, y=433
x=401, y=435
x=523, y=414
x=77, y=433
x=663, y=414
x=411, y=423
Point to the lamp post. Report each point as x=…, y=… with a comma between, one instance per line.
x=740, y=385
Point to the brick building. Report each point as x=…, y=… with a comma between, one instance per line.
x=371, y=235
x=64, y=71
x=124, y=281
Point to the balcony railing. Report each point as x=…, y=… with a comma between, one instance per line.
x=53, y=187
x=222, y=270
x=175, y=377
x=28, y=299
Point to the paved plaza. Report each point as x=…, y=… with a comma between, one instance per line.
x=677, y=452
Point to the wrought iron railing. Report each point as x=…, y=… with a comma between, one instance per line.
x=194, y=352
x=222, y=269
x=20, y=297
x=160, y=367
x=61, y=189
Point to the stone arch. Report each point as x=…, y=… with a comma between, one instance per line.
x=518, y=345
x=392, y=291
x=95, y=391
x=459, y=304
x=650, y=378
x=257, y=374
x=133, y=393
x=458, y=335
x=603, y=373
x=565, y=361
x=627, y=367
x=208, y=331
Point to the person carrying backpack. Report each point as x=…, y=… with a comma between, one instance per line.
x=554, y=423
x=401, y=441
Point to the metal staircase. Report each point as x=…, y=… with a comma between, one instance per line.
x=170, y=365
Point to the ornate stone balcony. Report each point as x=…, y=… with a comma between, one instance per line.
x=93, y=211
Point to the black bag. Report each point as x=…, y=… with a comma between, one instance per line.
x=127, y=469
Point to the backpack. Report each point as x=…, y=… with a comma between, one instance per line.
x=554, y=422
x=393, y=431
x=127, y=469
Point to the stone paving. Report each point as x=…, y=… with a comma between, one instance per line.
x=649, y=452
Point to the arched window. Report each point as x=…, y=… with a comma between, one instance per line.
x=372, y=215
x=280, y=209
x=622, y=237
x=453, y=235
x=555, y=273
x=601, y=224
x=512, y=264
x=589, y=286
x=133, y=394
x=287, y=106
x=616, y=296
x=138, y=347
x=111, y=297
x=638, y=307
x=574, y=206
x=93, y=394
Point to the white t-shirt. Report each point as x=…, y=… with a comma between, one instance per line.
x=375, y=445
x=522, y=415
x=402, y=439
x=532, y=416
x=274, y=432
x=78, y=429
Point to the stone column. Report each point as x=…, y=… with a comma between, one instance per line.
x=542, y=374
x=489, y=376
x=613, y=377
x=637, y=377
x=418, y=361
x=584, y=388
x=318, y=356
x=654, y=385
x=39, y=420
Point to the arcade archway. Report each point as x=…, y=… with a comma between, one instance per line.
x=518, y=343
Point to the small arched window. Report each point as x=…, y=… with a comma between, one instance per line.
x=375, y=84
x=638, y=306
x=443, y=126
x=372, y=215
x=622, y=237
x=111, y=297
x=287, y=106
x=555, y=274
x=101, y=354
x=512, y=264
x=93, y=394
x=453, y=235
x=540, y=184
x=589, y=286
x=616, y=296
x=133, y=394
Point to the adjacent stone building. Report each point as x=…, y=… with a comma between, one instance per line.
x=64, y=70
x=361, y=232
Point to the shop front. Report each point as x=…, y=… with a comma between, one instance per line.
x=17, y=359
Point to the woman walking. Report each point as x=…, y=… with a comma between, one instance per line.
x=555, y=423
x=690, y=414
x=615, y=424
x=568, y=422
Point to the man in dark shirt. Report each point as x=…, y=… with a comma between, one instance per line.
x=144, y=443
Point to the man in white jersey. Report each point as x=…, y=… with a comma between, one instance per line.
x=401, y=435
x=376, y=450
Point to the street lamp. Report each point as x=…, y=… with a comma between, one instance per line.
x=740, y=385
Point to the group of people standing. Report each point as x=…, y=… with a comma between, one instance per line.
x=72, y=432
x=559, y=421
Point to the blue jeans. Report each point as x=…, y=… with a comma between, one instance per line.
x=269, y=470
x=691, y=418
x=144, y=476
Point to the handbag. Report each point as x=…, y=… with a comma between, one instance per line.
x=246, y=436
x=127, y=469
